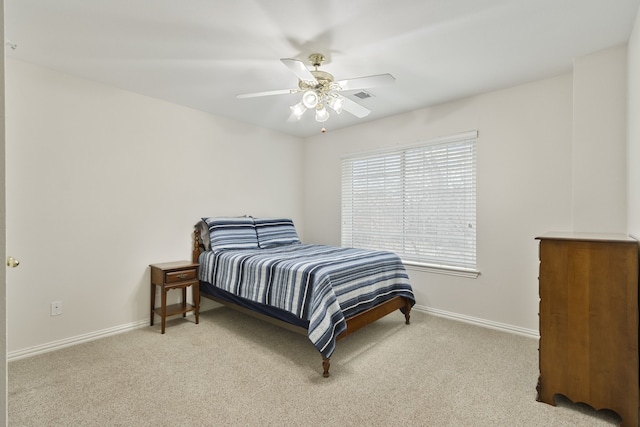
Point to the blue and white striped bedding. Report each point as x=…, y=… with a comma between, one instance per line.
x=321, y=284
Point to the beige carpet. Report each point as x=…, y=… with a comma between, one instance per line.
x=234, y=370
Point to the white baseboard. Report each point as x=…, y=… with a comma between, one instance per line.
x=68, y=342
x=532, y=333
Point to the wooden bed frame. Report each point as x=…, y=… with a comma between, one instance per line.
x=354, y=323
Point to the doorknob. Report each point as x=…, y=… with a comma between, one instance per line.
x=12, y=262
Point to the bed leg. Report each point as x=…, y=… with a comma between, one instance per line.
x=325, y=367
x=407, y=312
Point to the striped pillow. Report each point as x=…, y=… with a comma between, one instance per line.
x=275, y=232
x=231, y=233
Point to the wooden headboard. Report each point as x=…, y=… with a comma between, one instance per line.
x=198, y=248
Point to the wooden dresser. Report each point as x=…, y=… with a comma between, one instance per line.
x=589, y=321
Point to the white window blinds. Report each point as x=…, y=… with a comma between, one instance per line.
x=417, y=201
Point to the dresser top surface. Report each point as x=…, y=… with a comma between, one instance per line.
x=572, y=235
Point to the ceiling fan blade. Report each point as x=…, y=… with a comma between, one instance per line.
x=299, y=69
x=267, y=93
x=366, y=82
x=354, y=108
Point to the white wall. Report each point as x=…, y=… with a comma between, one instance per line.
x=599, y=147
x=103, y=182
x=633, y=135
x=524, y=189
x=551, y=157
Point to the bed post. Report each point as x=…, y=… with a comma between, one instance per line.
x=407, y=311
x=325, y=366
x=195, y=253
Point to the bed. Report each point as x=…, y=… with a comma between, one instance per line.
x=260, y=267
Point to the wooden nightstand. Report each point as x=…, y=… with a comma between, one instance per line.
x=175, y=275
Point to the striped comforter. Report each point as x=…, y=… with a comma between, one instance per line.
x=320, y=284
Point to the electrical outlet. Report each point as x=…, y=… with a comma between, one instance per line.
x=56, y=308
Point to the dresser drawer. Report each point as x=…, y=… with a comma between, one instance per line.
x=181, y=276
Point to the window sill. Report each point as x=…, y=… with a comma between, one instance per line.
x=441, y=269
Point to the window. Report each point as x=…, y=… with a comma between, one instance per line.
x=417, y=201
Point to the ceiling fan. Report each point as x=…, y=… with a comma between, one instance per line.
x=320, y=89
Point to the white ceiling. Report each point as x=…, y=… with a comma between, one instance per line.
x=201, y=53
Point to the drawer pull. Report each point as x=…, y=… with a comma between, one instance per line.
x=183, y=275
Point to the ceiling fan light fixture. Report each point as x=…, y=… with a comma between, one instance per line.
x=310, y=99
x=298, y=110
x=320, y=91
x=322, y=115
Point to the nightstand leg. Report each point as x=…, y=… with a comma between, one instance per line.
x=184, y=300
x=195, y=293
x=153, y=300
x=164, y=308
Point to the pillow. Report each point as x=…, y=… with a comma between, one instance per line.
x=275, y=232
x=231, y=233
